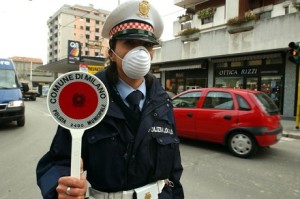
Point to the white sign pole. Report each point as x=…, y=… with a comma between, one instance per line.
x=76, y=152
x=77, y=101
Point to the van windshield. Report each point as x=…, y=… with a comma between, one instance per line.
x=267, y=103
x=8, y=79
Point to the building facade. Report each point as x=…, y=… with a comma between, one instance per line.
x=27, y=71
x=234, y=43
x=77, y=23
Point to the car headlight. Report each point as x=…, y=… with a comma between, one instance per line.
x=16, y=103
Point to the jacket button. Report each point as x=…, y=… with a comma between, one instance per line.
x=160, y=140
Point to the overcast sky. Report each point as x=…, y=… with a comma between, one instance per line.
x=24, y=23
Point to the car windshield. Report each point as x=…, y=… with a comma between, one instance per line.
x=8, y=79
x=267, y=103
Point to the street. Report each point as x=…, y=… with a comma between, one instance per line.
x=209, y=170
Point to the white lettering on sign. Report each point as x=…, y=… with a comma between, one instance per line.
x=74, y=44
x=250, y=71
x=64, y=80
x=158, y=129
x=228, y=72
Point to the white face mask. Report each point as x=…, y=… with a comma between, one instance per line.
x=136, y=63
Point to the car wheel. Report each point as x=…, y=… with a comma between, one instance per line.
x=242, y=144
x=21, y=122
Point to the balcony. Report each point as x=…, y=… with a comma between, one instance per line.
x=247, y=26
x=220, y=42
x=183, y=3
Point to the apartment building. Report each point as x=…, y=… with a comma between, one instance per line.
x=77, y=23
x=233, y=43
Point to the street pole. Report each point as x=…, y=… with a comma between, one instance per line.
x=298, y=100
x=31, y=71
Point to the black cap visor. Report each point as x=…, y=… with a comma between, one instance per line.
x=142, y=35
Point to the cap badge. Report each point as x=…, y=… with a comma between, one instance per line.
x=144, y=8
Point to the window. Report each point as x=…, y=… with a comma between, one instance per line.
x=186, y=25
x=274, y=61
x=265, y=15
x=207, y=20
x=237, y=64
x=229, y=82
x=218, y=100
x=243, y=104
x=255, y=62
x=188, y=100
x=221, y=65
x=267, y=103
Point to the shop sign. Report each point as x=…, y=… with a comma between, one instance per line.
x=237, y=72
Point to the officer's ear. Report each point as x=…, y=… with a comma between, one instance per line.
x=112, y=45
x=111, y=55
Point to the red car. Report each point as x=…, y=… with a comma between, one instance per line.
x=243, y=120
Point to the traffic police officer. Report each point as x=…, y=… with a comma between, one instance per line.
x=128, y=154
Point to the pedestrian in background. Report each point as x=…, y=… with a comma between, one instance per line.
x=134, y=151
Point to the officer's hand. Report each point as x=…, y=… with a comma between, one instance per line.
x=72, y=187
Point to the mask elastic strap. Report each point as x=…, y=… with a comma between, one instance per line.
x=116, y=54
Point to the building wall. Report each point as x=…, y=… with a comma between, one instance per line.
x=267, y=35
x=76, y=23
x=270, y=35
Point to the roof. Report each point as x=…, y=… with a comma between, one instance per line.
x=62, y=66
x=27, y=59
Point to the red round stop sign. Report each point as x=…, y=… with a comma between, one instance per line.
x=78, y=100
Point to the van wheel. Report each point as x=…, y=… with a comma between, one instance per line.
x=242, y=144
x=33, y=98
x=21, y=122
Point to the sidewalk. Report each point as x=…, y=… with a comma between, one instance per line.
x=289, y=128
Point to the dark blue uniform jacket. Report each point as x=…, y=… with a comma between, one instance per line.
x=114, y=158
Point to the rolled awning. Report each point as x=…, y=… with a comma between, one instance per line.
x=246, y=58
x=189, y=67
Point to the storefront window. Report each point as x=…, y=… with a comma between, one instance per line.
x=192, y=83
x=272, y=85
x=252, y=83
x=229, y=82
x=179, y=81
x=221, y=65
x=274, y=61
x=236, y=64
x=255, y=62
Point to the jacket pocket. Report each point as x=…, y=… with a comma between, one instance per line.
x=165, y=146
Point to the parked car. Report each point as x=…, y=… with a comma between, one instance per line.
x=242, y=120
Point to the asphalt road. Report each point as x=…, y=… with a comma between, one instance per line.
x=210, y=172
